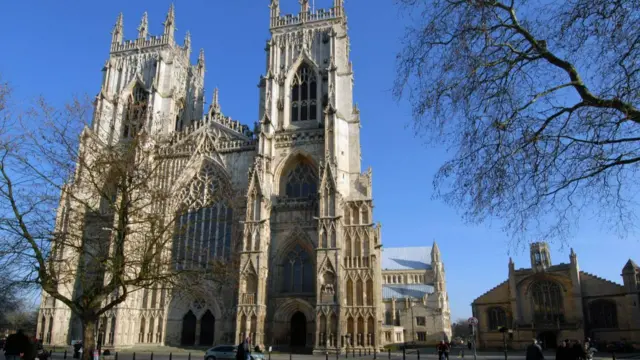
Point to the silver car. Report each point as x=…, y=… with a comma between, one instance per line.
x=223, y=352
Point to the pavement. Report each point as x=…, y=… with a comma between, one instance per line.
x=167, y=353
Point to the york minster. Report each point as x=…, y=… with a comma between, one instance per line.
x=287, y=196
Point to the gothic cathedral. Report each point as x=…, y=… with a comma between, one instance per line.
x=312, y=273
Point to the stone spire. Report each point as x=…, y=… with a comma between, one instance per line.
x=435, y=253
x=170, y=22
x=187, y=42
x=118, y=30
x=200, y=64
x=143, y=29
x=304, y=6
x=215, y=102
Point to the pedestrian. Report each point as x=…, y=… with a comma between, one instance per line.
x=247, y=348
x=16, y=346
x=563, y=352
x=443, y=349
x=240, y=351
x=589, y=350
x=577, y=351
x=534, y=351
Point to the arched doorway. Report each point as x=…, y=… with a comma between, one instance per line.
x=298, y=330
x=548, y=339
x=207, y=328
x=188, y=329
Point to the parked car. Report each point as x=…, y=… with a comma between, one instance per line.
x=221, y=352
x=228, y=352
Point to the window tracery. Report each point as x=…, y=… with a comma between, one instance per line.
x=135, y=112
x=603, y=314
x=301, y=181
x=304, y=94
x=298, y=272
x=497, y=318
x=203, y=232
x=547, y=302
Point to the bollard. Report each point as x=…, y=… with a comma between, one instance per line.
x=613, y=355
x=152, y=355
x=134, y=355
x=289, y=355
x=116, y=356
x=418, y=353
x=337, y=354
x=360, y=354
x=389, y=353
x=189, y=356
x=269, y=355
x=353, y=352
x=326, y=355
x=65, y=355
x=170, y=356
x=404, y=353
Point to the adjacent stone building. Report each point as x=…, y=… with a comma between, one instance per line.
x=311, y=264
x=555, y=302
x=414, y=296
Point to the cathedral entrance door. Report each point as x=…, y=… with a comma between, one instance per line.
x=188, y=329
x=548, y=339
x=207, y=328
x=298, y=330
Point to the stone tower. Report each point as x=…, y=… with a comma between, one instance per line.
x=310, y=274
x=540, y=256
x=148, y=83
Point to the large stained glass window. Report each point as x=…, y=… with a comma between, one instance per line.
x=304, y=94
x=301, y=181
x=547, y=302
x=298, y=272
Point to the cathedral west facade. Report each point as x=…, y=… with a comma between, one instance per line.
x=311, y=270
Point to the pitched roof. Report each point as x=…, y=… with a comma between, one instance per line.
x=630, y=266
x=401, y=291
x=406, y=258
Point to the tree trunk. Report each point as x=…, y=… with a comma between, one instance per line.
x=88, y=337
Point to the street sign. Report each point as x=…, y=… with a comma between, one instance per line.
x=473, y=321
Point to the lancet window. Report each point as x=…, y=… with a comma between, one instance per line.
x=547, y=302
x=203, y=231
x=298, y=272
x=304, y=94
x=135, y=112
x=301, y=181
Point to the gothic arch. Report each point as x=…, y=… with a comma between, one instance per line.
x=302, y=58
x=297, y=236
x=193, y=170
x=288, y=163
x=285, y=311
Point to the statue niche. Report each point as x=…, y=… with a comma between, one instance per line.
x=327, y=288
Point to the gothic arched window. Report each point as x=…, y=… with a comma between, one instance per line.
x=603, y=314
x=547, y=302
x=301, y=181
x=497, y=318
x=304, y=94
x=203, y=231
x=135, y=112
x=298, y=272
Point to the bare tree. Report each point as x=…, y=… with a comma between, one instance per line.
x=89, y=221
x=538, y=100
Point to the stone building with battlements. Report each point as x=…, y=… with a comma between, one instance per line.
x=553, y=302
x=312, y=273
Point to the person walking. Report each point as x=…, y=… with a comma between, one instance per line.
x=563, y=352
x=16, y=346
x=443, y=350
x=534, y=351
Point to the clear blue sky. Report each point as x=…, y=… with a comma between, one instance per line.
x=57, y=49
